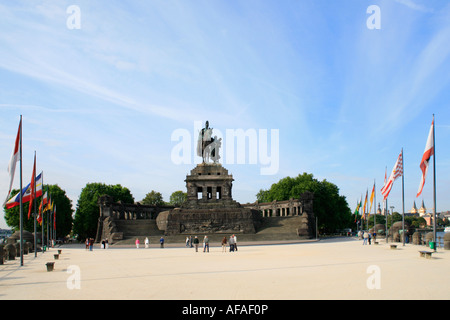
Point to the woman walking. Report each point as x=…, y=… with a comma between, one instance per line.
x=224, y=244
x=137, y=243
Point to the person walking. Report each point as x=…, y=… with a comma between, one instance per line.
x=187, y=242
x=146, y=242
x=365, y=237
x=137, y=243
x=235, y=242
x=161, y=241
x=196, y=242
x=206, y=244
x=231, y=242
x=224, y=244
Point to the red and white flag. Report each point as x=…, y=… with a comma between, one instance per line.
x=429, y=151
x=13, y=160
x=45, y=198
x=32, y=187
x=397, y=172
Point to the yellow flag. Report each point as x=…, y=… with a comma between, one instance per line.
x=371, y=197
x=364, y=207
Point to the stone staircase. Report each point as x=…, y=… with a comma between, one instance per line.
x=272, y=229
x=138, y=228
x=280, y=225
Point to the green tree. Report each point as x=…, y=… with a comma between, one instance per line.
x=263, y=196
x=63, y=209
x=395, y=217
x=415, y=221
x=380, y=219
x=330, y=208
x=87, y=212
x=177, y=198
x=12, y=216
x=153, y=198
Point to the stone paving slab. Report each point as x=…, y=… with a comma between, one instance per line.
x=326, y=269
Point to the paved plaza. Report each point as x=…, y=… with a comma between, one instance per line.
x=326, y=269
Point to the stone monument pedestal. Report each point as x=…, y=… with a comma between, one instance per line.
x=209, y=207
x=208, y=221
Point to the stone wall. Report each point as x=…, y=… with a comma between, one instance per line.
x=302, y=207
x=208, y=221
x=111, y=213
x=291, y=207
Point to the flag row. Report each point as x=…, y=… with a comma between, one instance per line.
x=397, y=172
x=31, y=191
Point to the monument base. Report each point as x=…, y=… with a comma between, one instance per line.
x=209, y=207
x=208, y=221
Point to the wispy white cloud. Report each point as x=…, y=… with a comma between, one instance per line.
x=47, y=53
x=390, y=84
x=415, y=6
x=100, y=103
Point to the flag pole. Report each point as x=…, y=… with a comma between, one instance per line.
x=434, y=186
x=42, y=215
x=374, y=208
x=46, y=222
x=403, y=200
x=49, y=230
x=366, y=217
x=54, y=222
x=385, y=205
x=34, y=215
x=20, y=196
x=359, y=212
x=386, y=213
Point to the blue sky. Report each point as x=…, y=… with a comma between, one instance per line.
x=100, y=103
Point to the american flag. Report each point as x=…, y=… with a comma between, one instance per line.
x=397, y=172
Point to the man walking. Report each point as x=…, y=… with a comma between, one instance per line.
x=206, y=244
x=196, y=243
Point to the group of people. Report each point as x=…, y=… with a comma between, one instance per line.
x=366, y=236
x=89, y=243
x=195, y=242
x=232, y=241
x=147, y=242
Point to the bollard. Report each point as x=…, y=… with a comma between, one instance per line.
x=447, y=241
x=50, y=266
x=10, y=251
